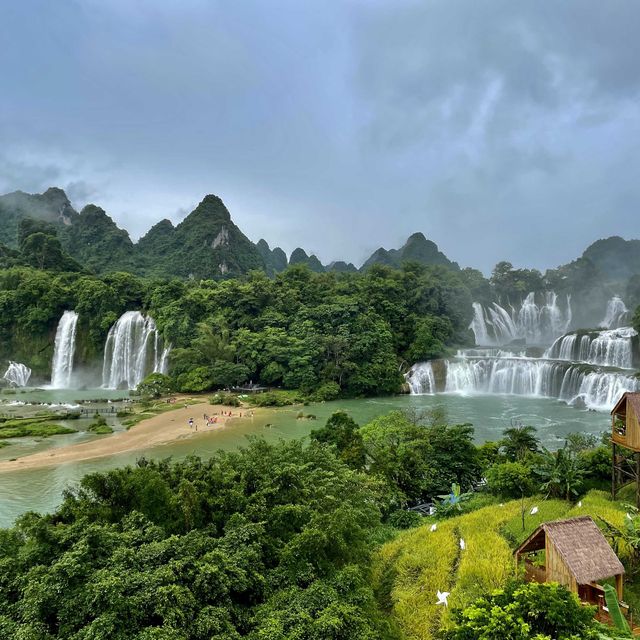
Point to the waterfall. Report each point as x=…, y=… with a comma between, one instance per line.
x=612, y=348
x=17, y=375
x=64, y=350
x=132, y=351
x=576, y=384
x=534, y=323
x=616, y=313
x=421, y=379
x=479, y=325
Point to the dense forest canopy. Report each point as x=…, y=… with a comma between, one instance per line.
x=331, y=333
x=236, y=312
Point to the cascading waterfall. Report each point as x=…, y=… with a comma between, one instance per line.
x=573, y=383
x=132, y=351
x=421, y=379
x=17, y=374
x=616, y=314
x=613, y=348
x=64, y=351
x=583, y=368
x=536, y=324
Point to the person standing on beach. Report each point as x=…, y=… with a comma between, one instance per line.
x=191, y=423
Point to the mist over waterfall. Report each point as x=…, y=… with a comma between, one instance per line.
x=494, y=325
x=589, y=368
x=17, y=375
x=132, y=351
x=64, y=351
x=617, y=314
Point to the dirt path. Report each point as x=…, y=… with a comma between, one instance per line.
x=160, y=429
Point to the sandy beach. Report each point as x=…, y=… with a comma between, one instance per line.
x=161, y=429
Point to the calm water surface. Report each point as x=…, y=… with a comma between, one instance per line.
x=41, y=489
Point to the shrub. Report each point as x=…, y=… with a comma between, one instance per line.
x=522, y=611
x=155, y=385
x=403, y=519
x=327, y=391
x=227, y=399
x=510, y=480
x=273, y=399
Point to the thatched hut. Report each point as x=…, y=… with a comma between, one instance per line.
x=577, y=556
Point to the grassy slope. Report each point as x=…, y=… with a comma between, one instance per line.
x=410, y=569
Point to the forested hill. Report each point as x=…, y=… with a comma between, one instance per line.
x=206, y=244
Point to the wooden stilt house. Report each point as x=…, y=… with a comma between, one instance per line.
x=625, y=433
x=576, y=555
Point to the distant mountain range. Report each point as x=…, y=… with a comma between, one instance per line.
x=206, y=244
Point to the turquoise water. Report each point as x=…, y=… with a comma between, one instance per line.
x=41, y=489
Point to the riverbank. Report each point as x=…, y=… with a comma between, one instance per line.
x=164, y=428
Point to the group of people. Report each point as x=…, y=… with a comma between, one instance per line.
x=211, y=420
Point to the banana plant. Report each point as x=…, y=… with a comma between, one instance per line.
x=619, y=621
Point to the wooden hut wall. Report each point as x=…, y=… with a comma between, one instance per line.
x=633, y=429
x=557, y=570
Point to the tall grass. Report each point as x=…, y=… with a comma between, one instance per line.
x=410, y=569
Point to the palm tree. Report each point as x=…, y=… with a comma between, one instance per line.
x=560, y=473
x=518, y=442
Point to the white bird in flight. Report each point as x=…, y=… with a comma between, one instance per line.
x=442, y=598
x=534, y=511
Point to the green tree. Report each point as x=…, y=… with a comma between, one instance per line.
x=560, y=473
x=341, y=432
x=155, y=385
x=518, y=442
x=271, y=541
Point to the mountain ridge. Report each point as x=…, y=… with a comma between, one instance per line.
x=208, y=244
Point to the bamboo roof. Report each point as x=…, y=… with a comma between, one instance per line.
x=633, y=398
x=583, y=548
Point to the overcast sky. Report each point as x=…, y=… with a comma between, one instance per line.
x=502, y=130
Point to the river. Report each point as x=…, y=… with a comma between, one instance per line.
x=42, y=489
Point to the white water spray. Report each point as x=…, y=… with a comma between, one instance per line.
x=17, y=375
x=64, y=351
x=616, y=314
x=421, y=379
x=535, y=323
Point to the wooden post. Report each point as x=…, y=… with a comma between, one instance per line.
x=613, y=471
x=619, y=579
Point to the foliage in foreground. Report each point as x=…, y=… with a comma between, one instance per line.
x=269, y=542
x=526, y=612
x=409, y=570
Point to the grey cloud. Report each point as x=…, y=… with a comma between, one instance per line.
x=500, y=129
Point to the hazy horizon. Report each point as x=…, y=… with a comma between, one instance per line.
x=501, y=131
